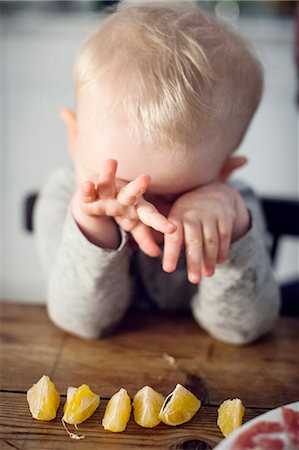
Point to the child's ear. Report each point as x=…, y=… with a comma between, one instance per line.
x=230, y=165
x=70, y=119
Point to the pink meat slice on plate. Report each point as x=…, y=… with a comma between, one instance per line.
x=249, y=440
x=291, y=423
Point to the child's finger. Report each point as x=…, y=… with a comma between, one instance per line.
x=225, y=233
x=194, y=251
x=126, y=223
x=149, y=215
x=144, y=238
x=106, y=181
x=88, y=192
x=210, y=246
x=172, y=247
x=108, y=207
x=130, y=193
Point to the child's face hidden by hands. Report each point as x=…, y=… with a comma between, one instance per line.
x=95, y=137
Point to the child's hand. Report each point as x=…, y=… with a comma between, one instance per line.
x=124, y=203
x=208, y=219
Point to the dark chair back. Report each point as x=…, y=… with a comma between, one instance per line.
x=282, y=219
x=28, y=211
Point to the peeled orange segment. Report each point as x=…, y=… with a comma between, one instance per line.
x=81, y=403
x=147, y=404
x=230, y=415
x=69, y=395
x=117, y=412
x=179, y=406
x=43, y=399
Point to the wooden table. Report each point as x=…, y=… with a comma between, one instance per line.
x=264, y=375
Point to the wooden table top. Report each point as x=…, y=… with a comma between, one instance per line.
x=263, y=375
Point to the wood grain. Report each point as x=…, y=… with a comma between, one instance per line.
x=29, y=344
x=20, y=430
x=264, y=375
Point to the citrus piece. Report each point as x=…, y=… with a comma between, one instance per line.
x=179, y=406
x=147, y=404
x=43, y=399
x=81, y=403
x=69, y=395
x=117, y=412
x=230, y=415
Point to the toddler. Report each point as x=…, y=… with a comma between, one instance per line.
x=145, y=216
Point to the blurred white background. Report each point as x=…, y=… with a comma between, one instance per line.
x=37, y=54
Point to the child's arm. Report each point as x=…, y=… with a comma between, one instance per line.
x=240, y=302
x=88, y=288
x=84, y=252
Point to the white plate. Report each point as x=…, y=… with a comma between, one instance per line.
x=271, y=416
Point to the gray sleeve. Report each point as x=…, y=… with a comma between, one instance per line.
x=241, y=301
x=89, y=287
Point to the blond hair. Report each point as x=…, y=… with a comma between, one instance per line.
x=180, y=75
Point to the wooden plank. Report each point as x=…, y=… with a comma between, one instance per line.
x=263, y=375
x=20, y=431
x=29, y=345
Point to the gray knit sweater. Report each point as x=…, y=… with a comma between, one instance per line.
x=90, y=288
